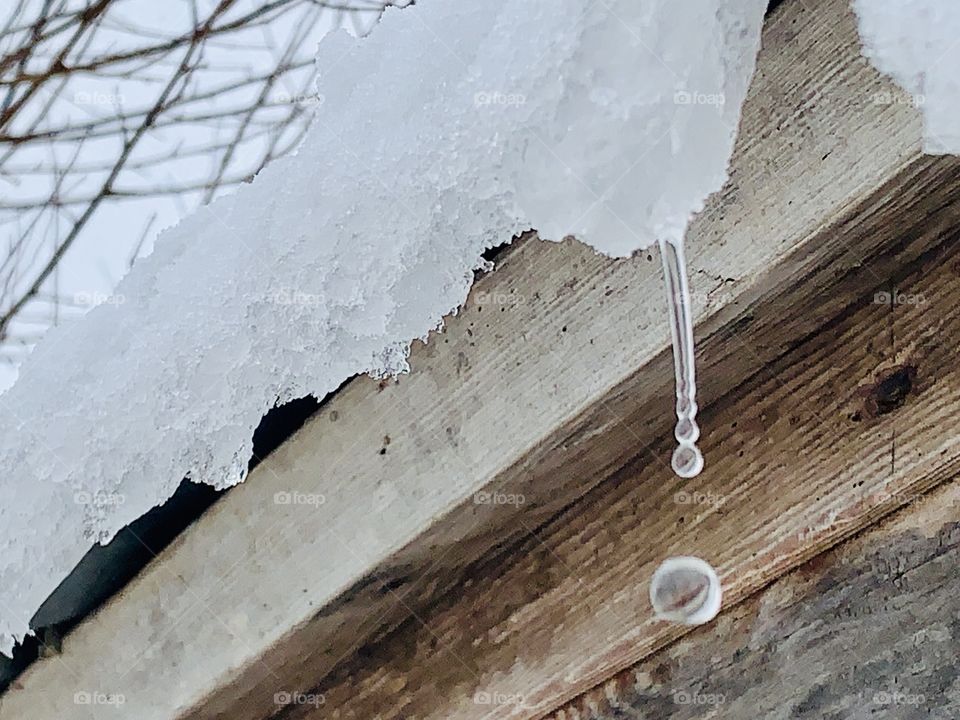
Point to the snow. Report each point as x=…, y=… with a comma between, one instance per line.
x=449, y=130
x=915, y=42
x=99, y=256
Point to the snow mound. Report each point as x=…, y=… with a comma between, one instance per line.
x=450, y=129
x=915, y=42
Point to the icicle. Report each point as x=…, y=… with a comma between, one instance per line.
x=687, y=462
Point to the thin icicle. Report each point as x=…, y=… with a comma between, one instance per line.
x=687, y=461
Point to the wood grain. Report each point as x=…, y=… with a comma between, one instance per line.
x=547, y=383
x=851, y=424
x=870, y=629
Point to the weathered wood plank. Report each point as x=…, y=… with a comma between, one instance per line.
x=870, y=629
x=551, y=377
x=852, y=423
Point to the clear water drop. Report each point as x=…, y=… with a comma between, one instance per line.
x=687, y=461
x=686, y=590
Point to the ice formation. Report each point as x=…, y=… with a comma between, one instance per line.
x=448, y=130
x=915, y=42
x=687, y=460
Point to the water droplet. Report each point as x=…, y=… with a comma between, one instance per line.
x=685, y=590
x=687, y=461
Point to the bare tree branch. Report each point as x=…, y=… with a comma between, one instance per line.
x=203, y=88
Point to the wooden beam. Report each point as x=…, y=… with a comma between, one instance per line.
x=869, y=629
x=547, y=382
x=852, y=423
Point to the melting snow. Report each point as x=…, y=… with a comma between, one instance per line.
x=453, y=127
x=916, y=42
